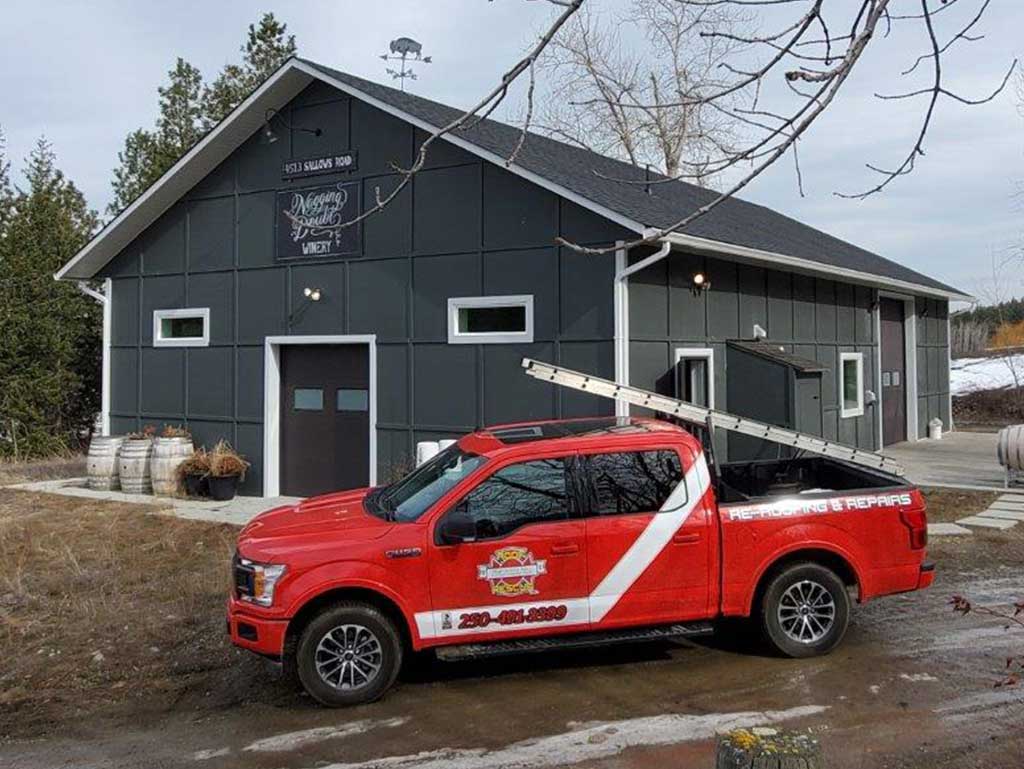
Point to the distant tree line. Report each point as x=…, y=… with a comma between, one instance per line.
x=50, y=359
x=994, y=325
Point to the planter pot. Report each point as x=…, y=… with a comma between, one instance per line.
x=223, y=488
x=168, y=453
x=102, y=462
x=197, y=485
x=134, y=466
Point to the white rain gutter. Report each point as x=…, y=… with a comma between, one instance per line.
x=620, y=293
x=103, y=299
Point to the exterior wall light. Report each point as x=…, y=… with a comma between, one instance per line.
x=309, y=295
x=269, y=136
x=700, y=282
x=312, y=294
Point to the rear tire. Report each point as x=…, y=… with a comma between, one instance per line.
x=349, y=654
x=805, y=610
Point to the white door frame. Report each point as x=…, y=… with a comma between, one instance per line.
x=272, y=401
x=708, y=354
x=909, y=365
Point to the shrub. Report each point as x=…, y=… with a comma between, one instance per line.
x=225, y=461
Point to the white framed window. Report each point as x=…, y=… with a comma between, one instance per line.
x=851, y=384
x=181, y=327
x=490, y=319
x=695, y=375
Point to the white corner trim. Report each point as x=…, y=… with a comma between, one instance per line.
x=858, y=410
x=108, y=331
x=182, y=312
x=708, y=354
x=456, y=303
x=272, y=402
x=620, y=310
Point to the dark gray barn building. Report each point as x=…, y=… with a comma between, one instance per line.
x=324, y=355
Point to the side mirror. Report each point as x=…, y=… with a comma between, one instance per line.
x=457, y=526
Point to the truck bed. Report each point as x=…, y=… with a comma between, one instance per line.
x=746, y=481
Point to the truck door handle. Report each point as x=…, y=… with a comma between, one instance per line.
x=568, y=549
x=686, y=539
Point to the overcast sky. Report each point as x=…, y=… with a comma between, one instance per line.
x=84, y=74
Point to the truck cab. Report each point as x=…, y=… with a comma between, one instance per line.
x=573, y=532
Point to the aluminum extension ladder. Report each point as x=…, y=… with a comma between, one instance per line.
x=704, y=416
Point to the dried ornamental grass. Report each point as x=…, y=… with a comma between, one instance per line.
x=225, y=461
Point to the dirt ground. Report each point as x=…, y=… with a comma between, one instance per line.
x=114, y=655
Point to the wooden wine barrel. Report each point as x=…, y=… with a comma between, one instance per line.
x=1010, y=447
x=136, y=455
x=102, y=463
x=168, y=453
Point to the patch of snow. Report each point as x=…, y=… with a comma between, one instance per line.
x=918, y=677
x=970, y=374
x=206, y=755
x=294, y=740
x=587, y=743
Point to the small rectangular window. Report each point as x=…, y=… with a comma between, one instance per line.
x=851, y=384
x=633, y=482
x=181, y=328
x=308, y=399
x=490, y=319
x=352, y=400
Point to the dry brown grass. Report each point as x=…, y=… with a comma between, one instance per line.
x=950, y=504
x=103, y=602
x=70, y=466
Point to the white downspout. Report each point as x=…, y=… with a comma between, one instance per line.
x=103, y=299
x=620, y=293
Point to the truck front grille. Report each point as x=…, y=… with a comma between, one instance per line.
x=243, y=577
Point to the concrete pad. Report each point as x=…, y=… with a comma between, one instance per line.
x=237, y=511
x=1006, y=515
x=997, y=505
x=987, y=523
x=947, y=530
x=1011, y=499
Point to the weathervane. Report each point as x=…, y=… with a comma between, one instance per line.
x=407, y=51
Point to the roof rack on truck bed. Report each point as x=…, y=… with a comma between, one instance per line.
x=704, y=417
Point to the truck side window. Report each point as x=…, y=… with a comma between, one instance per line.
x=632, y=482
x=528, y=492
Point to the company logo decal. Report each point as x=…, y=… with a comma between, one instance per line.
x=512, y=571
x=788, y=508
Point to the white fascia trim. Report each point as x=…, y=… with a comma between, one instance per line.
x=183, y=312
x=152, y=195
x=708, y=354
x=858, y=410
x=806, y=265
x=272, y=401
x=456, y=303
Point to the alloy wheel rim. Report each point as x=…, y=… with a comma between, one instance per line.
x=349, y=657
x=806, y=612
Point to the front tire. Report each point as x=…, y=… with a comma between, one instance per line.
x=349, y=654
x=805, y=610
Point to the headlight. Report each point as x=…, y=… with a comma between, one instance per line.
x=263, y=578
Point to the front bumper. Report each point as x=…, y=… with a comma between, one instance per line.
x=249, y=630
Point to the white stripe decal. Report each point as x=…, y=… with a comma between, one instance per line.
x=595, y=607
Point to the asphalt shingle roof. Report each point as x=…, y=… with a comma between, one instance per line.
x=735, y=221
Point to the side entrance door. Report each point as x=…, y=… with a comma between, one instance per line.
x=648, y=539
x=325, y=418
x=526, y=567
x=894, y=385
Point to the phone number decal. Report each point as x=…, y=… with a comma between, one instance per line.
x=475, y=619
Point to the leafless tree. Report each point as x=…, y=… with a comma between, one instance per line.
x=969, y=338
x=777, y=84
x=612, y=76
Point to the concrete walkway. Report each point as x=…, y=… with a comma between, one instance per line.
x=237, y=511
x=959, y=460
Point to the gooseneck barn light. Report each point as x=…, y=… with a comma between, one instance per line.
x=270, y=136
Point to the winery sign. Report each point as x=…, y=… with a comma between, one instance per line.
x=310, y=222
x=323, y=164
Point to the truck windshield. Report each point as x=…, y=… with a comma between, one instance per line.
x=411, y=497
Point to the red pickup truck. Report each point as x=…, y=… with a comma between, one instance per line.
x=566, y=533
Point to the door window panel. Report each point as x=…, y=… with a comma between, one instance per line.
x=633, y=482
x=530, y=492
x=308, y=399
x=353, y=400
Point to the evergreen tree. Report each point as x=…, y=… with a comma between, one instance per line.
x=268, y=46
x=51, y=357
x=6, y=195
x=147, y=154
x=188, y=109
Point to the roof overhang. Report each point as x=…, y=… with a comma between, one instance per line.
x=289, y=80
x=797, y=264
